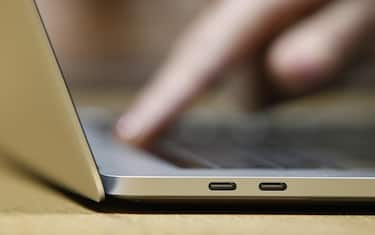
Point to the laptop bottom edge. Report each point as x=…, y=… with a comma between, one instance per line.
x=233, y=189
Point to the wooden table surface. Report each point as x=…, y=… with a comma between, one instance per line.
x=30, y=206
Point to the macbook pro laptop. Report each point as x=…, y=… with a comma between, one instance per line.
x=244, y=158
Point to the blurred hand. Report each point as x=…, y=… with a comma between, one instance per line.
x=306, y=41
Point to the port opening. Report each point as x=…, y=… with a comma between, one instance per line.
x=222, y=186
x=273, y=186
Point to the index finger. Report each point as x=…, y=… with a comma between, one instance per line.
x=224, y=34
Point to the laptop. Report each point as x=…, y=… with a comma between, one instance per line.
x=232, y=159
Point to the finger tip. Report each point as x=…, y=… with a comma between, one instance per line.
x=127, y=132
x=297, y=69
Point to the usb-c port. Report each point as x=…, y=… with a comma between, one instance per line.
x=272, y=186
x=222, y=186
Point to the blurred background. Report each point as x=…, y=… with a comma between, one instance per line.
x=114, y=42
x=114, y=46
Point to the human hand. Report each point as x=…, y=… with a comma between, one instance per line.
x=307, y=41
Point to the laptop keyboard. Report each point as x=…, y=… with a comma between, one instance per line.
x=266, y=143
x=258, y=142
